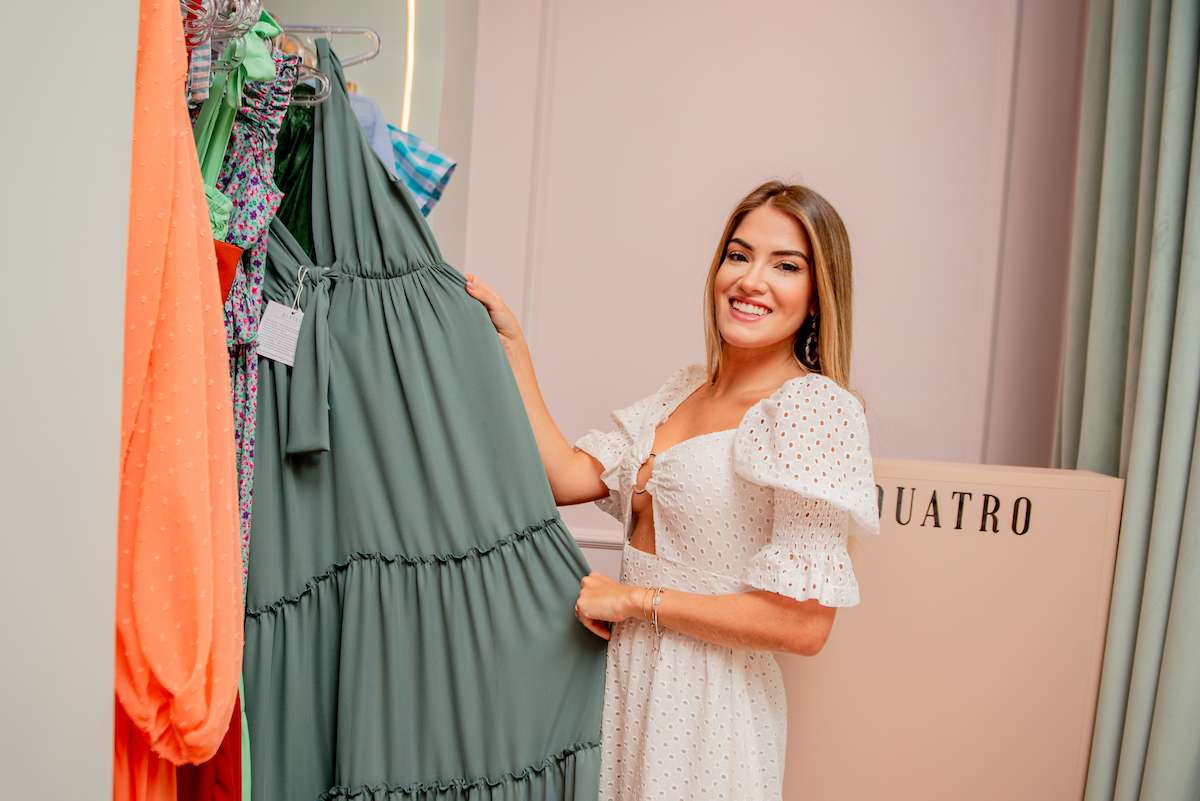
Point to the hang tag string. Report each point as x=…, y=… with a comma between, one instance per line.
x=300, y=276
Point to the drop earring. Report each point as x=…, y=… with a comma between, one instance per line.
x=811, y=360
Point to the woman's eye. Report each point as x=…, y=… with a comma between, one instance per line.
x=789, y=266
x=734, y=255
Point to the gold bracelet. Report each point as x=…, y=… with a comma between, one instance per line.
x=646, y=603
x=656, y=603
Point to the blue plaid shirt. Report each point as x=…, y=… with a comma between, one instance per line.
x=423, y=169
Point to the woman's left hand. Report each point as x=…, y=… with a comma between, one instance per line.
x=602, y=600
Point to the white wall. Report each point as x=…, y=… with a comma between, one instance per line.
x=611, y=140
x=63, y=221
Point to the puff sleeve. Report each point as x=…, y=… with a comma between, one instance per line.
x=809, y=442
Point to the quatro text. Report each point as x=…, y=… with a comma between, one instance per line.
x=959, y=510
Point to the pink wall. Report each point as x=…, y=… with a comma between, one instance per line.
x=610, y=140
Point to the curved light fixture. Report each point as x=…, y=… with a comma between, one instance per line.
x=410, y=52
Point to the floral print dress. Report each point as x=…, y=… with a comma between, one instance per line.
x=247, y=180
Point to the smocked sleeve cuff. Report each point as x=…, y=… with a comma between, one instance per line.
x=806, y=557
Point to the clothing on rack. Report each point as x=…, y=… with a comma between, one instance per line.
x=424, y=170
x=293, y=171
x=374, y=129
x=409, y=630
x=246, y=178
x=220, y=778
x=199, y=54
x=179, y=612
x=200, y=71
x=248, y=58
x=228, y=257
x=407, y=157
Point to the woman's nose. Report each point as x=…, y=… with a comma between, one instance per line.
x=754, y=280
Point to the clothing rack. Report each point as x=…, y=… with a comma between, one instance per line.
x=221, y=21
x=218, y=20
x=376, y=44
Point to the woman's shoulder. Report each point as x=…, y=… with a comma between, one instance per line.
x=809, y=436
x=809, y=414
x=816, y=391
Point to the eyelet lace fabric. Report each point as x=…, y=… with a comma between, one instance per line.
x=767, y=505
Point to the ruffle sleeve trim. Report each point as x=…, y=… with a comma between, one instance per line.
x=810, y=436
x=608, y=448
x=633, y=435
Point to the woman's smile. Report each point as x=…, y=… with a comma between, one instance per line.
x=764, y=282
x=747, y=311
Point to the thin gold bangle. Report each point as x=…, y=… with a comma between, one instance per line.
x=658, y=593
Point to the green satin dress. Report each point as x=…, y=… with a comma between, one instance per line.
x=293, y=170
x=410, y=631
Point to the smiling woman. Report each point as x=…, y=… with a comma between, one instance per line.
x=787, y=244
x=737, y=483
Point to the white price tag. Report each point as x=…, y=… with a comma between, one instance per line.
x=278, y=332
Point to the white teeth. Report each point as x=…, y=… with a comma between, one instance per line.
x=758, y=311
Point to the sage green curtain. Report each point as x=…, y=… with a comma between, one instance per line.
x=1130, y=389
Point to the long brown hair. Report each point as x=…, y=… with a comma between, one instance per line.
x=831, y=271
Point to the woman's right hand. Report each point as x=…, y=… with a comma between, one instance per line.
x=507, y=327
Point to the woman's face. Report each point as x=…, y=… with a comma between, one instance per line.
x=764, y=288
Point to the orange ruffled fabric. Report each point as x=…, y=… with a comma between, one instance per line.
x=179, y=594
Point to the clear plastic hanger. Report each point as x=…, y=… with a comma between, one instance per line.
x=300, y=36
x=234, y=18
x=198, y=18
x=306, y=71
x=217, y=21
x=375, y=44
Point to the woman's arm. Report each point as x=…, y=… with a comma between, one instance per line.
x=574, y=476
x=756, y=620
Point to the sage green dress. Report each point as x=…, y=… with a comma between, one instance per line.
x=410, y=631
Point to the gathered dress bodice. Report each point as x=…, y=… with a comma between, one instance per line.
x=704, y=514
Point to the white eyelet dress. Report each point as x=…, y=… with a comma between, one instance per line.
x=768, y=505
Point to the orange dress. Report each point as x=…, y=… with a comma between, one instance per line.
x=179, y=593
